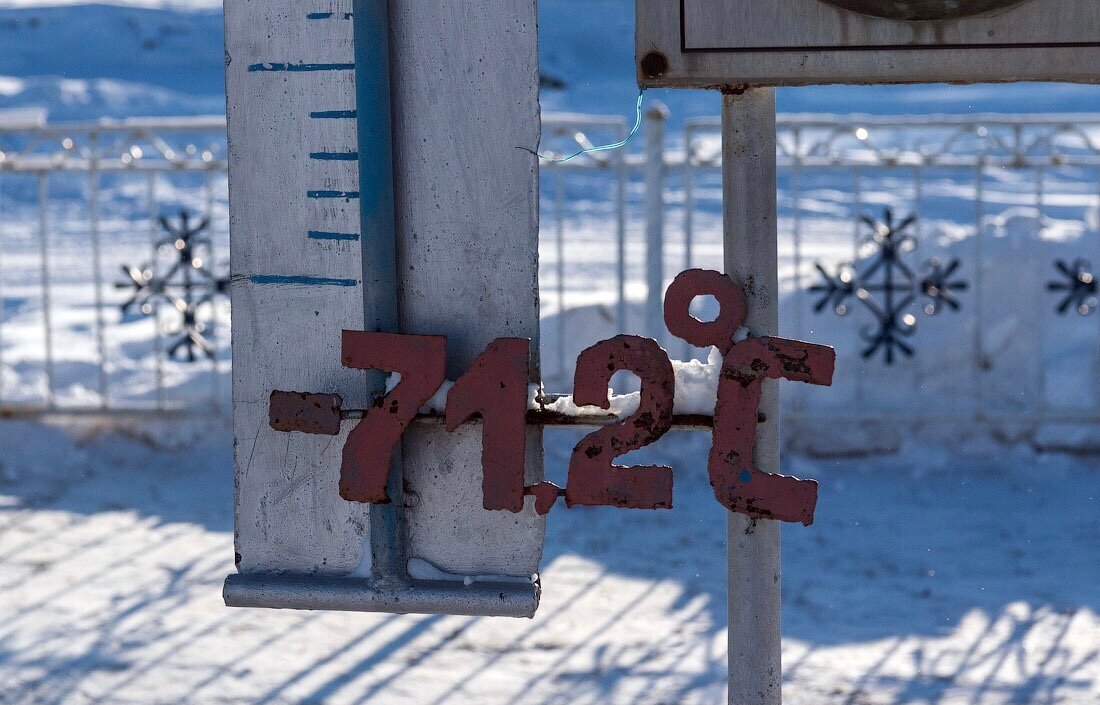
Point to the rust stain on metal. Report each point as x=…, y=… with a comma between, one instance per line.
x=593, y=480
x=304, y=412
x=368, y=452
x=494, y=388
x=545, y=494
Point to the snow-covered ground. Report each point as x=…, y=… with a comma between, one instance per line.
x=931, y=578
x=935, y=575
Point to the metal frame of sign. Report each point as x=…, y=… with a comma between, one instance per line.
x=714, y=43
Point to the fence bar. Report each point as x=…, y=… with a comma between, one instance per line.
x=689, y=197
x=1096, y=345
x=97, y=266
x=689, y=211
x=857, y=228
x=918, y=208
x=2, y=307
x=655, y=218
x=559, y=244
x=750, y=250
x=1040, y=227
x=800, y=332
x=44, y=249
x=979, y=268
x=158, y=342
x=212, y=333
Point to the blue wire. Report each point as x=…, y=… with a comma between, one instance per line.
x=603, y=147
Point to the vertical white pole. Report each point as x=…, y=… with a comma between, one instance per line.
x=654, y=217
x=751, y=258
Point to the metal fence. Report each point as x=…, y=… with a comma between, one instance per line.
x=983, y=287
x=81, y=234
x=1004, y=196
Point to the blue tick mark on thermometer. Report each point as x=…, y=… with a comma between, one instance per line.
x=326, y=235
x=294, y=68
x=333, y=114
x=335, y=156
x=332, y=194
x=299, y=280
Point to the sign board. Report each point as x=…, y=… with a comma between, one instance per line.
x=717, y=43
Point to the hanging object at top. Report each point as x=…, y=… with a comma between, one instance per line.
x=729, y=44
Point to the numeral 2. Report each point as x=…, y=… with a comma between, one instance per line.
x=593, y=480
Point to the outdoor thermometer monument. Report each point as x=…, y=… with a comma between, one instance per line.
x=384, y=234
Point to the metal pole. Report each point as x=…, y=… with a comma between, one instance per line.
x=44, y=249
x=559, y=255
x=655, y=217
x=158, y=337
x=752, y=258
x=621, y=177
x=97, y=265
x=978, y=357
x=378, y=235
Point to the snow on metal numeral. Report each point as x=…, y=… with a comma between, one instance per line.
x=368, y=452
x=738, y=484
x=593, y=480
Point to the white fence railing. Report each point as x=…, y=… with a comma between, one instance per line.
x=1005, y=195
x=79, y=210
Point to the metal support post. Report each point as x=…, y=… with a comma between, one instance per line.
x=655, y=119
x=751, y=258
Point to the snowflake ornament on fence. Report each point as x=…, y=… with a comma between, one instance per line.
x=1079, y=286
x=888, y=287
x=186, y=285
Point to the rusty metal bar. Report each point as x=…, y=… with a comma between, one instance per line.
x=321, y=414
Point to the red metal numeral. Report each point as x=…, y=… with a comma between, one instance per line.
x=737, y=483
x=495, y=388
x=368, y=452
x=593, y=480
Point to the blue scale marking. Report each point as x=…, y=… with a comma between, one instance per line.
x=333, y=114
x=293, y=68
x=332, y=194
x=335, y=156
x=301, y=280
x=277, y=67
x=325, y=235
